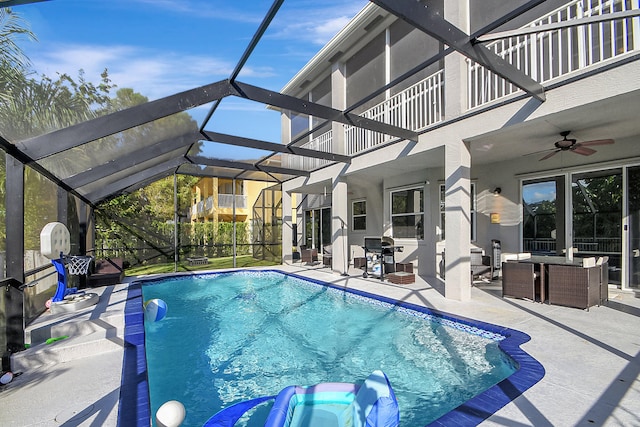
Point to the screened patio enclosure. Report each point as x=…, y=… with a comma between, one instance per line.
x=82, y=136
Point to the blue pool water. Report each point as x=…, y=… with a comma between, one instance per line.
x=234, y=336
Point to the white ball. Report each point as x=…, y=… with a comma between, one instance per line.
x=6, y=378
x=170, y=414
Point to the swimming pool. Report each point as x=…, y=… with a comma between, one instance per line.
x=423, y=352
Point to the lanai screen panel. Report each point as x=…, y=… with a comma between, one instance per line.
x=115, y=177
x=150, y=139
x=236, y=153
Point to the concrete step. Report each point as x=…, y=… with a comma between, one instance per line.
x=90, y=331
x=68, y=349
x=38, y=334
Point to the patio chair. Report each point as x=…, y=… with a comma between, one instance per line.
x=574, y=286
x=518, y=280
x=480, y=266
x=603, y=262
x=309, y=256
x=327, y=257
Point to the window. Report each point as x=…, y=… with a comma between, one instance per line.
x=359, y=214
x=473, y=211
x=407, y=213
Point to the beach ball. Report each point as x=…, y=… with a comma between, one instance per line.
x=170, y=414
x=6, y=378
x=155, y=310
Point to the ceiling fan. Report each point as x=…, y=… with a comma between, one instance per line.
x=571, y=144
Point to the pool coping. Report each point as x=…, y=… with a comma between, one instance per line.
x=135, y=405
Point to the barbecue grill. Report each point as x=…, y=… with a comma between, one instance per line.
x=385, y=248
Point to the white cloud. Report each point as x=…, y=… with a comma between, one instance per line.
x=151, y=73
x=313, y=22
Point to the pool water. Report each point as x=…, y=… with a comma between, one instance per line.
x=235, y=336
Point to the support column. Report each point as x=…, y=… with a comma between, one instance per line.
x=63, y=206
x=14, y=202
x=455, y=65
x=339, y=226
x=457, y=170
x=287, y=229
x=339, y=102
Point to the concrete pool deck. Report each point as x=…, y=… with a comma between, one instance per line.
x=591, y=358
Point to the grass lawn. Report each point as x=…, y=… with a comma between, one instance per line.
x=214, y=264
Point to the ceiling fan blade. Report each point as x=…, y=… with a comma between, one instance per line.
x=597, y=142
x=579, y=149
x=539, y=152
x=553, y=153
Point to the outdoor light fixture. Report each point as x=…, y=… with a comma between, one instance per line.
x=497, y=191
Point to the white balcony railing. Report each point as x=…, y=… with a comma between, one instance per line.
x=208, y=205
x=414, y=108
x=555, y=53
x=226, y=201
x=321, y=143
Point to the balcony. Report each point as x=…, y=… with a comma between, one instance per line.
x=556, y=53
x=200, y=209
x=208, y=205
x=225, y=201
x=415, y=108
x=322, y=143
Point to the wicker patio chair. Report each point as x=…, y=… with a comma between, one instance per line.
x=603, y=262
x=574, y=286
x=518, y=280
x=309, y=256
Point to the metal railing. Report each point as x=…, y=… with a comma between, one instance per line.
x=415, y=108
x=601, y=245
x=555, y=53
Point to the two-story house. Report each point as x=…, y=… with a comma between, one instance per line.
x=525, y=133
x=216, y=200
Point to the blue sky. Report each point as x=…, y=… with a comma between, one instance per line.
x=161, y=47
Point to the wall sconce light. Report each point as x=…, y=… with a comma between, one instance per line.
x=497, y=191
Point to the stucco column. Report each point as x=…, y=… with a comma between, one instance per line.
x=455, y=64
x=339, y=102
x=287, y=219
x=457, y=199
x=339, y=226
x=287, y=229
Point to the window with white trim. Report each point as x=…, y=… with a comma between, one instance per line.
x=407, y=213
x=473, y=211
x=359, y=215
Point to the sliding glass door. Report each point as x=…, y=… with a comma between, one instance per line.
x=633, y=194
x=597, y=217
x=317, y=228
x=587, y=221
x=543, y=216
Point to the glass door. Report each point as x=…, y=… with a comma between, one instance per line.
x=543, y=216
x=318, y=228
x=633, y=192
x=325, y=233
x=597, y=218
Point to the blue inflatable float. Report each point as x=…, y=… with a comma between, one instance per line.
x=371, y=404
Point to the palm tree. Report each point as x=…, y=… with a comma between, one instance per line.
x=12, y=57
